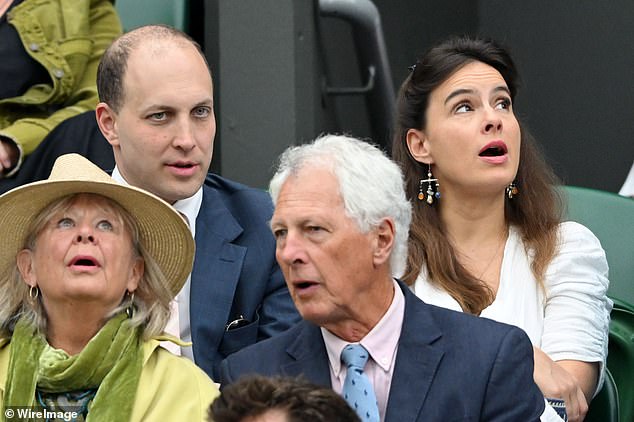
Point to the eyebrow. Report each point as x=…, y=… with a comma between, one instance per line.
x=157, y=106
x=205, y=102
x=462, y=91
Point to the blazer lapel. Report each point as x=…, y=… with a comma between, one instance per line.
x=216, y=272
x=308, y=357
x=419, y=354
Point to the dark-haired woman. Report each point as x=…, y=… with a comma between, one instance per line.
x=487, y=236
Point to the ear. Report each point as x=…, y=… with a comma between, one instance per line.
x=383, y=242
x=24, y=260
x=136, y=275
x=418, y=146
x=107, y=122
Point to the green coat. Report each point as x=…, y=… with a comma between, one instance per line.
x=171, y=388
x=68, y=37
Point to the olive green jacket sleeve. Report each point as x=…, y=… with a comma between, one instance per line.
x=68, y=37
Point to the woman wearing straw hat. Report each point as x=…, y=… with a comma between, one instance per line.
x=87, y=270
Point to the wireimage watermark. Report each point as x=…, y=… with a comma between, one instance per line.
x=22, y=413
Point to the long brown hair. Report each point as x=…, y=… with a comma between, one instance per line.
x=536, y=211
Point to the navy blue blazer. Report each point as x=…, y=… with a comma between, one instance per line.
x=235, y=274
x=449, y=366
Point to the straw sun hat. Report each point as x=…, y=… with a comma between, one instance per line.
x=163, y=231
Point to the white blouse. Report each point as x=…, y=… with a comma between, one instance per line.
x=571, y=320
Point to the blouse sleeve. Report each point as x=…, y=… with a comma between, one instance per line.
x=577, y=310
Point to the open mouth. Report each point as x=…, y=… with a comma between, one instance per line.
x=83, y=261
x=304, y=285
x=494, y=149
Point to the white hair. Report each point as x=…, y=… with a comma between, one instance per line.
x=370, y=184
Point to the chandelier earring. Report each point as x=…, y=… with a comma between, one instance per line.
x=512, y=190
x=428, y=189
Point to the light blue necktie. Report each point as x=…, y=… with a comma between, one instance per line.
x=357, y=389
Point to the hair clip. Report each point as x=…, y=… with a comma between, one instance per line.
x=412, y=68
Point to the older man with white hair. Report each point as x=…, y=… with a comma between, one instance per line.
x=341, y=225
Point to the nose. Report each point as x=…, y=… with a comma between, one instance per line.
x=184, y=138
x=289, y=251
x=492, y=122
x=85, y=235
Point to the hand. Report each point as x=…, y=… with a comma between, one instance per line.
x=556, y=382
x=8, y=154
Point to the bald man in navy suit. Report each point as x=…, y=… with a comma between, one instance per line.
x=157, y=113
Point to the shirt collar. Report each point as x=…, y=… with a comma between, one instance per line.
x=381, y=342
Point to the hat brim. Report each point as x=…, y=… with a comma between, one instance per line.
x=163, y=232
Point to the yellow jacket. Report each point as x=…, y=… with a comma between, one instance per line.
x=171, y=388
x=68, y=38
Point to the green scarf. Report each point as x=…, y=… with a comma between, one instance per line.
x=111, y=362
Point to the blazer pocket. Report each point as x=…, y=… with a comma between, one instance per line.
x=236, y=339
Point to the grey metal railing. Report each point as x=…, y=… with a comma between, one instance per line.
x=364, y=18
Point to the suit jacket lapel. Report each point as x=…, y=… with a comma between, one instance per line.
x=308, y=357
x=216, y=271
x=419, y=354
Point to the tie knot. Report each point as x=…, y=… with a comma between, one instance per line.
x=354, y=355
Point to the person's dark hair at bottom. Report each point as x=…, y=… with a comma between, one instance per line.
x=257, y=398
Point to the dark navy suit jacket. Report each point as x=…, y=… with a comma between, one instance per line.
x=449, y=366
x=235, y=274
